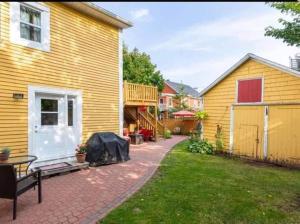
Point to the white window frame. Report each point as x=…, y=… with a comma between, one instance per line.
x=15, y=20
x=252, y=78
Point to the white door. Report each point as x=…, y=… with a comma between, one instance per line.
x=55, y=133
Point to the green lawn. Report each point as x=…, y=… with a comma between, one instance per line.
x=193, y=188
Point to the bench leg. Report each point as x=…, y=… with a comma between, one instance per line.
x=15, y=209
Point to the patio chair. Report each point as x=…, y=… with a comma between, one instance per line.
x=11, y=187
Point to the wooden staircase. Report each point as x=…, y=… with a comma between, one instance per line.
x=147, y=120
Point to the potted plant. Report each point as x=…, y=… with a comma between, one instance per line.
x=4, y=154
x=81, y=153
x=200, y=116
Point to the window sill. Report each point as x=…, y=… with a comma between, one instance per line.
x=31, y=44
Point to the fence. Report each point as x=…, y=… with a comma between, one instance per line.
x=185, y=124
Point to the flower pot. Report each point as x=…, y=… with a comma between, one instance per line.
x=80, y=157
x=4, y=156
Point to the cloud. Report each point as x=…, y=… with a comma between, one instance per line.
x=203, y=36
x=139, y=14
x=204, y=51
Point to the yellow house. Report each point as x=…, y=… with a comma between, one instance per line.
x=60, y=77
x=257, y=103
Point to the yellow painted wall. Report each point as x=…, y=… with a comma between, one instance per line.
x=283, y=134
x=83, y=56
x=278, y=87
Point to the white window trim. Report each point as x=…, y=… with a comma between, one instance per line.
x=15, y=36
x=251, y=78
x=32, y=91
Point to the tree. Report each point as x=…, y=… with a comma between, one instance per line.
x=290, y=33
x=181, y=96
x=138, y=68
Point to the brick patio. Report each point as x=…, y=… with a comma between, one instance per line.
x=88, y=195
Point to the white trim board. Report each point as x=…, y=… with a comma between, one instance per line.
x=32, y=91
x=121, y=106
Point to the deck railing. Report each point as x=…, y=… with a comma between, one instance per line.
x=138, y=94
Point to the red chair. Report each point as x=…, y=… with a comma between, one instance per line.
x=146, y=133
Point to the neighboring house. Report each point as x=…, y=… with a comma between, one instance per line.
x=168, y=102
x=257, y=103
x=61, y=76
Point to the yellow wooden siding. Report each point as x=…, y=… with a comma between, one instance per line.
x=248, y=131
x=278, y=87
x=83, y=56
x=284, y=134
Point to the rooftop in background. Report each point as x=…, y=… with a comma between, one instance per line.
x=186, y=88
x=98, y=12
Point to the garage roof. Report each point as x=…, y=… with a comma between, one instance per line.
x=244, y=59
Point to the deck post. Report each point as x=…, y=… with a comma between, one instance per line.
x=155, y=116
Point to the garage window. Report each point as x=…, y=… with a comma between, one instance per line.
x=249, y=91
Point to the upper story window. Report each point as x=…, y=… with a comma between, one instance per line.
x=161, y=101
x=170, y=102
x=249, y=91
x=30, y=25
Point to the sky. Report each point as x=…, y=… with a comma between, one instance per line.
x=195, y=42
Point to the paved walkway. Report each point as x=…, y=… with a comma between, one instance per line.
x=88, y=195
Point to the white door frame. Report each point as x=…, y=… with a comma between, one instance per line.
x=32, y=91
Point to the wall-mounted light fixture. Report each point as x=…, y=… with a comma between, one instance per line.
x=18, y=96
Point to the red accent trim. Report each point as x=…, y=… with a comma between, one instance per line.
x=249, y=91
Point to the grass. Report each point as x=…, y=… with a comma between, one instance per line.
x=193, y=188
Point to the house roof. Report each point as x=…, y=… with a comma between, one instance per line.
x=98, y=12
x=246, y=58
x=186, y=88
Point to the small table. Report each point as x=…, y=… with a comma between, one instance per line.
x=136, y=139
x=18, y=161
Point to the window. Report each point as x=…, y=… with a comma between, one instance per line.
x=249, y=91
x=161, y=101
x=170, y=102
x=49, y=112
x=70, y=112
x=30, y=25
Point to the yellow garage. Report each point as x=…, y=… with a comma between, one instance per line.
x=257, y=103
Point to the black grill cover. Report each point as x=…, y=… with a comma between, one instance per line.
x=106, y=148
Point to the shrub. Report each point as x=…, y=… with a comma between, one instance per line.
x=167, y=134
x=219, y=139
x=201, y=115
x=200, y=146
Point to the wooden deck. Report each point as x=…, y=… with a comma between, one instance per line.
x=140, y=95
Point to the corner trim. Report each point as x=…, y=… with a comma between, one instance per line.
x=121, y=106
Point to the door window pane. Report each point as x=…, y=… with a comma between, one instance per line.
x=70, y=112
x=49, y=119
x=49, y=112
x=49, y=105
